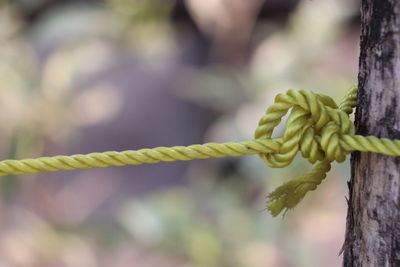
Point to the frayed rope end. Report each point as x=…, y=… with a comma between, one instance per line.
x=288, y=195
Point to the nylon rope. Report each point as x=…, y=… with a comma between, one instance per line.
x=316, y=127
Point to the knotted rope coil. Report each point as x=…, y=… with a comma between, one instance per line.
x=316, y=127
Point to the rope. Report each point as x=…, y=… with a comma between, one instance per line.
x=316, y=127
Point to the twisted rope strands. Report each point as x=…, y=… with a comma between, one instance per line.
x=371, y=144
x=137, y=157
x=320, y=142
x=349, y=102
x=316, y=127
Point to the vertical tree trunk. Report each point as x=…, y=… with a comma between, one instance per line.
x=373, y=219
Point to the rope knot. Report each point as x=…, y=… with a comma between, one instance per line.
x=315, y=127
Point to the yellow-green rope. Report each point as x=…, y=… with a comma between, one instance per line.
x=316, y=127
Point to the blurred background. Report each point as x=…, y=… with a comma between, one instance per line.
x=79, y=76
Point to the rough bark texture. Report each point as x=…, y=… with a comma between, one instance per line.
x=373, y=219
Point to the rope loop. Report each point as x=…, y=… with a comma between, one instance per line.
x=314, y=127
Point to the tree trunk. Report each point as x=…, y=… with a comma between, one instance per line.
x=373, y=219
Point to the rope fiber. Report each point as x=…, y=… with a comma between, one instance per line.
x=316, y=127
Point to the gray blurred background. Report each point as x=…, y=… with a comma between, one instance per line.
x=81, y=76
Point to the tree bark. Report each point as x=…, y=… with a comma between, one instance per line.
x=373, y=219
